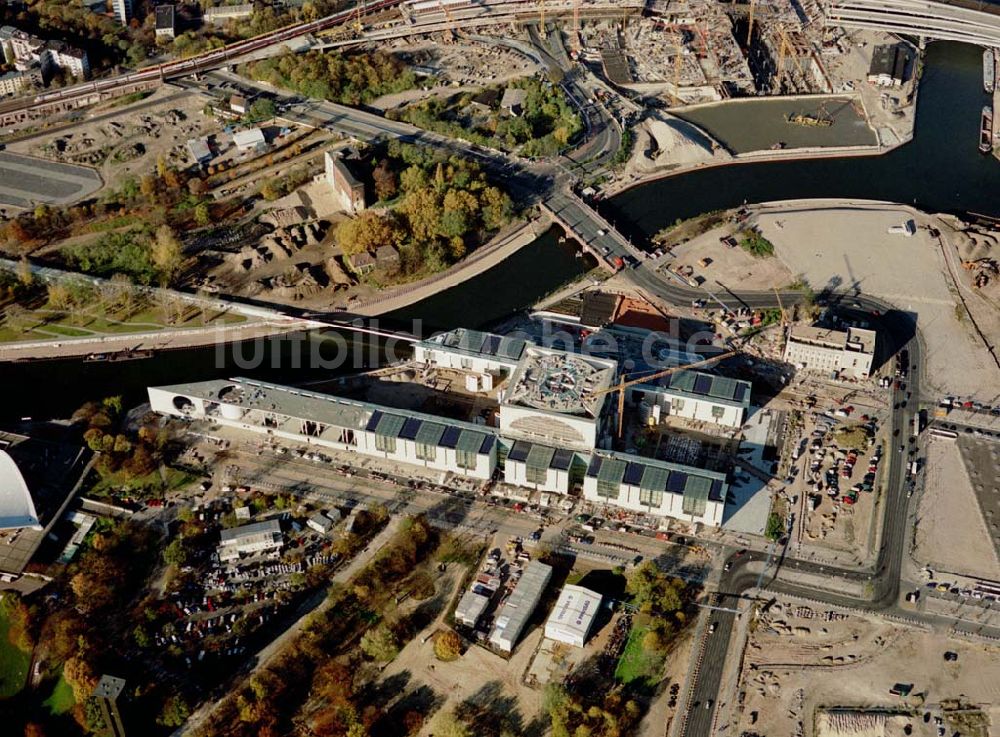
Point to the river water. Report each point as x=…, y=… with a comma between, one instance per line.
x=759, y=124
x=940, y=170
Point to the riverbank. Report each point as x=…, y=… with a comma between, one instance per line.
x=621, y=186
x=481, y=260
x=145, y=344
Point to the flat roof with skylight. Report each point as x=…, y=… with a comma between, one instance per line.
x=560, y=382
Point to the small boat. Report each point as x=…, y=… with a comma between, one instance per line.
x=986, y=131
x=777, y=146
x=130, y=355
x=989, y=71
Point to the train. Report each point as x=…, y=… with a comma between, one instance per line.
x=183, y=67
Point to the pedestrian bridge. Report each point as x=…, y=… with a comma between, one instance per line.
x=969, y=21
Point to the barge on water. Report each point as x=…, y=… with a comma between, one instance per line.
x=986, y=131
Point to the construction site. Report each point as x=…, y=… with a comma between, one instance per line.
x=829, y=673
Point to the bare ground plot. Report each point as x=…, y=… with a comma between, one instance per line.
x=477, y=679
x=848, y=247
x=471, y=64
x=797, y=665
x=732, y=267
x=951, y=534
x=128, y=141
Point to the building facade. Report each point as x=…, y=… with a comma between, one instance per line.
x=14, y=82
x=122, y=10
x=656, y=487
x=223, y=13
x=252, y=539
x=848, y=354
x=28, y=53
x=693, y=395
x=349, y=192
x=165, y=21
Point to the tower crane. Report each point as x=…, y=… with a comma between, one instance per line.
x=624, y=384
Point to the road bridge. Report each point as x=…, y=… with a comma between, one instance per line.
x=969, y=21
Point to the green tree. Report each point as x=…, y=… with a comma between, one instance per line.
x=166, y=252
x=496, y=208
x=175, y=711
x=175, y=554
x=384, y=177
x=379, y=643
x=260, y=110
x=423, y=212
x=366, y=232
x=459, y=213
x=447, y=724
x=202, y=216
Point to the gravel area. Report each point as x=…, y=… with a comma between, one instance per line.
x=951, y=534
x=846, y=245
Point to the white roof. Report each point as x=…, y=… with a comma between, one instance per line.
x=573, y=615
x=16, y=508
x=471, y=607
x=249, y=137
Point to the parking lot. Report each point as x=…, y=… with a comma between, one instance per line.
x=25, y=181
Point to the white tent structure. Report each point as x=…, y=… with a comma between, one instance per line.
x=573, y=615
x=17, y=510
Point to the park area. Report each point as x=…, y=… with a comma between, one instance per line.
x=77, y=308
x=15, y=659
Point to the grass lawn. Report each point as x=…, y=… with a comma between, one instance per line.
x=636, y=663
x=14, y=662
x=61, y=699
x=89, y=325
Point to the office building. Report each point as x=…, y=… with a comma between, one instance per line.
x=693, y=395
x=535, y=417
x=108, y=692
x=844, y=353
x=165, y=21
x=517, y=610
x=29, y=53
x=14, y=82
x=656, y=487
x=557, y=398
x=573, y=615
x=122, y=10
x=38, y=480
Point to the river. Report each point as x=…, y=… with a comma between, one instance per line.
x=940, y=170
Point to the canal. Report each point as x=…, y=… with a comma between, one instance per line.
x=940, y=170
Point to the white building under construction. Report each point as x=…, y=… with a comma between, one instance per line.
x=542, y=420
